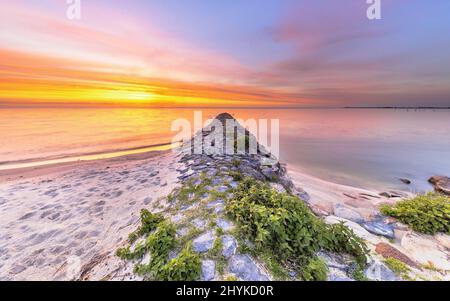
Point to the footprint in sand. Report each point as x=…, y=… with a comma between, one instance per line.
x=46, y=213
x=57, y=249
x=17, y=269
x=55, y=216
x=27, y=216
x=147, y=200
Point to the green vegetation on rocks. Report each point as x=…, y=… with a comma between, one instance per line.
x=283, y=225
x=428, y=213
x=184, y=267
x=398, y=267
x=149, y=221
x=215, y=253
x=315, y=270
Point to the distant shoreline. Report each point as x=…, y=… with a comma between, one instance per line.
x=121, y=106
x=401, y=108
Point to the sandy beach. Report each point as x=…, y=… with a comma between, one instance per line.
x=71, y=213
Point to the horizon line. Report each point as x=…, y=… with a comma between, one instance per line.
x=117, y=106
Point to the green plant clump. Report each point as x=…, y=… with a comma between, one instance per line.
x=149, y=221
x=283, y=225
x=315, y=270
x=215, y=253
x=428, y=213
x=398, y=267
x=358, y=274
x=159, y=244
x=185, y=267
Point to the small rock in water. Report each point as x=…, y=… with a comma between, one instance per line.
x=379, y=228
x=229, y=246
x=204, y=242
x=405, y=181
x=208, y=270
x=245, y=269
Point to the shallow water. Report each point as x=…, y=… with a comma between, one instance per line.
x=363, y=147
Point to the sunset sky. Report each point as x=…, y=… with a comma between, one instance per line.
x=225, y=53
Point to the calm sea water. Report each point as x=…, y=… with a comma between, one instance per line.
x=367, y=148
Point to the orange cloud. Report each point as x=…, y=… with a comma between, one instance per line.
x=59, y=61
x=40, y=79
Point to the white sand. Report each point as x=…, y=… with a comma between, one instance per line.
x=58, y=219
x=325, y=195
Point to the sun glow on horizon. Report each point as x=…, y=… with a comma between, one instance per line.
x=161, y=55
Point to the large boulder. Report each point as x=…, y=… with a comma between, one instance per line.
x=441, y=184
